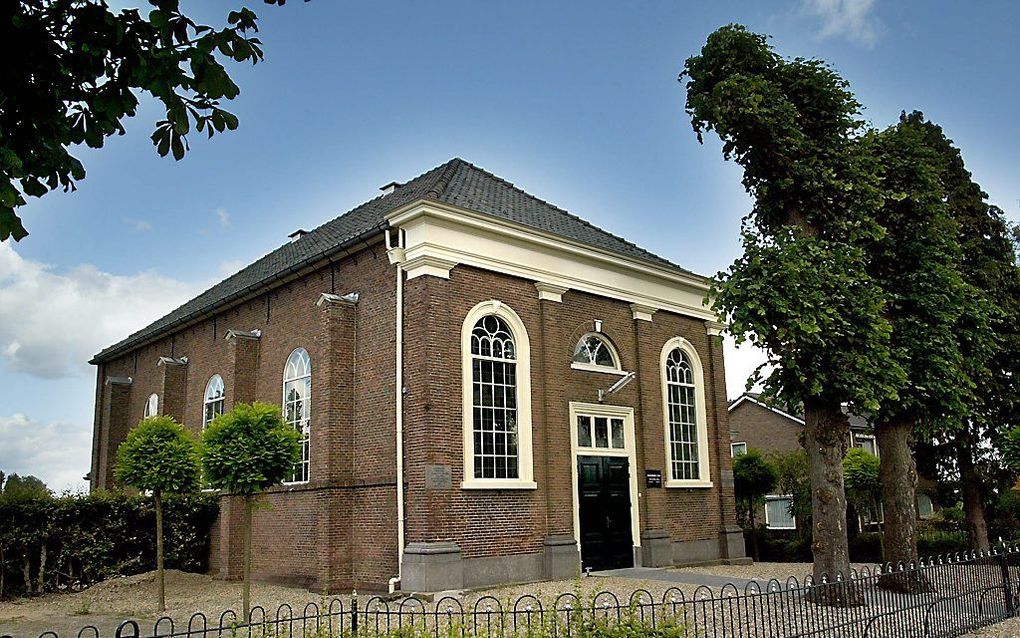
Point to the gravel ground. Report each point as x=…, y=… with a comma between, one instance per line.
x=761, y=571
x=1006, y=629
x=105, y=605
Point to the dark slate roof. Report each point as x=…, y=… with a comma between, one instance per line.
x=456, y=182
x=856, y=421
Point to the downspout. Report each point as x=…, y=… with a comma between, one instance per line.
x=396, y=256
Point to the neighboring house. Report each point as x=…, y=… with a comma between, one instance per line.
x=488, y=388
x=758, y=425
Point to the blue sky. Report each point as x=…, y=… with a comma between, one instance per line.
x=577, y=103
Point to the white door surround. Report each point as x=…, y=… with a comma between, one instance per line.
x=610, y=411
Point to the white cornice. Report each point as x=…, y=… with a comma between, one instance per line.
x=439, y=237
x=349, y=299
x=172, y=361
x=550, y=292
x=243, y=334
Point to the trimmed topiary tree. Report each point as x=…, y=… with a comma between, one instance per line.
x=161, y=457
x=245, y=452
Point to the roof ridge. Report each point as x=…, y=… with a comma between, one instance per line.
x=568, y=213
x=449, y=169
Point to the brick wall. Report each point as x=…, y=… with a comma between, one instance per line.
x=763, y=429
x=339, y=530
x=434, y=313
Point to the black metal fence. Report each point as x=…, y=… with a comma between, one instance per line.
x=947, y=596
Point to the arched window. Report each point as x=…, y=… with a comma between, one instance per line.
x=151, y=406
x=595, y=352
x=497, y=399
x=297, y=407
x=213, y=403
x=684, y=412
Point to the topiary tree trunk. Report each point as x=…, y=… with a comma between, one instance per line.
x=246, y=566
x=157, y=498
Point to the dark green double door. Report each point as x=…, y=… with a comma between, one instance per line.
x=603, y=486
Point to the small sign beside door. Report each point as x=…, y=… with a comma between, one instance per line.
x=653, y=478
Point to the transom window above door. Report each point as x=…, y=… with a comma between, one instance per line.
x=600, y=433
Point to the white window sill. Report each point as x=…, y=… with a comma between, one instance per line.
x=689, y=484
x=779, y=529
x=498, y=484
x=590, y=367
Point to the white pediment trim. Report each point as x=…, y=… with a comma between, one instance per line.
x=439, y=236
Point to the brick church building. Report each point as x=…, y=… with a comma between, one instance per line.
x=489, y=390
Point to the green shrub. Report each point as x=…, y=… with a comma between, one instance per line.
x=866, y=548
x=89, y=538
x=937, y=543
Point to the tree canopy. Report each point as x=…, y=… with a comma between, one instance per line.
x=74, y=70
x=159, y=455
x=801, y=290
x=249, y=449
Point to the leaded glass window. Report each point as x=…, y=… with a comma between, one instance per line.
x=297, y=407
x=214, y=398
x=681, y=408
x=596, y=351
x=151, y=406
x=494, y=399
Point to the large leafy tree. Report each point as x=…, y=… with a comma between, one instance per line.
x=245, y=452
x=801, y=290
x=74, y=70
x=992, y=357
x=753, y=479
x=161, y=457
x=933, y=312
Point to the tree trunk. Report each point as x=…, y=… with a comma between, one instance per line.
x=42, y=568
x=26, y=572
x=160, y=577
x=897, y=475
x=246, y=568
x=973, y=507
x=826, y=435
x=754, y=531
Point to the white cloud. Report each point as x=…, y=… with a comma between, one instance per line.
x=850, y=19
x=138, y=225
x=223, y=216
x=227, y=268
x=57, y=453
x=51, y=323
x=740, y=363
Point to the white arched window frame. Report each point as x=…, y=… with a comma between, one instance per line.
x=212, y=404
x=151, y=406
x=596, y=353
x=297, y=408
x=522, y=366
x=681, y=469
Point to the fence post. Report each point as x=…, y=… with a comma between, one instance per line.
x=1007, y=582
x=354, y=613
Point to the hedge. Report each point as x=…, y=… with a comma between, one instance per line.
x=71, y=542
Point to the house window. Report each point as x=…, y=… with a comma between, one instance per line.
x=497, y=393
x=867, y=443
x=297, y=407
x=779, y=512
x=599, y=432
x=213, y=404
x=684, y=412
x=151, y=406
x=594, y=352
x=925, y=508
x=736, y=449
